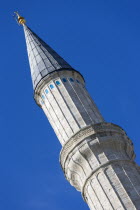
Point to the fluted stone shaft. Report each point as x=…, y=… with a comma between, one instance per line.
x=67, y=105
x=99, y=162
x=97, y=157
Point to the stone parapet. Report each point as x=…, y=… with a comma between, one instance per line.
x=96, y=130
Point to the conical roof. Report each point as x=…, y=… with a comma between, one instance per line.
x=42, y=58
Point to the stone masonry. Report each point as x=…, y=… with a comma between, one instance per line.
x=97, y=157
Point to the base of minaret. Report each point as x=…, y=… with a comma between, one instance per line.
x=99, y=162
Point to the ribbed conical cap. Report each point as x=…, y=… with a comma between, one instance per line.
x=42, y=58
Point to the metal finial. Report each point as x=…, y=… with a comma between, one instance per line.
x=20, y=20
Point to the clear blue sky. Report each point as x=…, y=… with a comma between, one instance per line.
x=99, y=38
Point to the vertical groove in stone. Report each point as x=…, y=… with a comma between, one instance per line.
x=56, y=119
x=66, y=111
x=93, y=105
x=81, y=102
x=96, y=118
x=78, y=103
x=62, y=111
x=72, y=106
x=52, y=122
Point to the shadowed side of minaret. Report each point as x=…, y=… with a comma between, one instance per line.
x=97, y=157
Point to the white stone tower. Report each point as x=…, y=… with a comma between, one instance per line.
x=97, y=157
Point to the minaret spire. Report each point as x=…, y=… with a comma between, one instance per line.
x=97, y=157
x=42, y=58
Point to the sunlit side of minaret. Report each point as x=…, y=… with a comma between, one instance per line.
x=97, y=157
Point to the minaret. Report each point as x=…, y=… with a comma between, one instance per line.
x=97, y=157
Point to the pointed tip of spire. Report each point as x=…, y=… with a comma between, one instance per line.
x=21, y=20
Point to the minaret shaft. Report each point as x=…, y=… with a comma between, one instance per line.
x=68, y=105
x=97, y=157
x=99, y=162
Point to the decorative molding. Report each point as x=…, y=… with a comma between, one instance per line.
x=53, y=75
x=96, y=130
